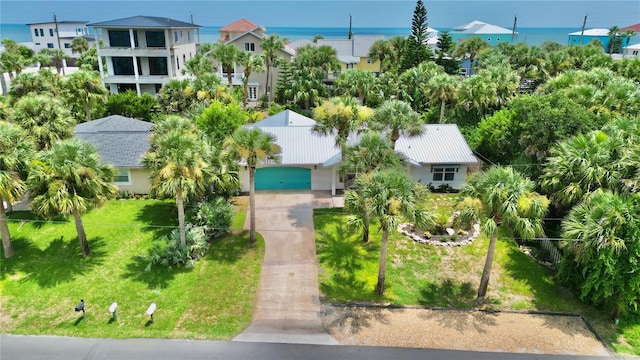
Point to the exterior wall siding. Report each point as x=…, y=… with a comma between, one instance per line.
x=140, y=182
x=424, y=175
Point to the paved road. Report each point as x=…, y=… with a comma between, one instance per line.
x=66, y=348
x=287, y=307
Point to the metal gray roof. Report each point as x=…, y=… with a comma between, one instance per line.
x=362, y=44
x=479, y=27
x=120, y=141
x=145, y=22
x=439, y=144
x=285, y=118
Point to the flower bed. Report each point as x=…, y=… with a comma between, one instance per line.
x=465, y=238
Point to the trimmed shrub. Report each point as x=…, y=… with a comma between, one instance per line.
x=214, y=216
x=168, y=251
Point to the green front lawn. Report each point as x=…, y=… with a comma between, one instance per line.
x=42, y=284
x=435, y=276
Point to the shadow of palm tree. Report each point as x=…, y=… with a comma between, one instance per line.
x=158, y=213
x=158, y=277
x=463, y=319
x=230, y=248
x=353, y=319
x=301, y=216
x=36, y=221
x=54, y=264
x=448, y=293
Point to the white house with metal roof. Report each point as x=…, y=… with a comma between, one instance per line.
x=491, y=34
x=309, y=161
x=143, y=53
x=121, y=142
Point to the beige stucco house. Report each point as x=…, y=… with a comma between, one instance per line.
x=121, y=142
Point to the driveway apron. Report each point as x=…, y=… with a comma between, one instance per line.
x=287, y=306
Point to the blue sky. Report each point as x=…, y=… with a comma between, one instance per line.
x=330, y=13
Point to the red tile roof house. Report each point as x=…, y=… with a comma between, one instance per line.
x=246, y=36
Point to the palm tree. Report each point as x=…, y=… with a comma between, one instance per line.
x=606, y=224
x=251, y=63
x=627, y=36
x=198, y=66
x=390, y=196
x=227, y=55
x=443, y=88
x=16, y=152
x=45, y=119
x=470, y=48
x=58, y=58
x=583, y=164
x=613, y=45
x=79, y=45
x=271, y=45
x=252, y=147
x=380, y=50
x=508, y=199
x=359, y=83
x=340, y=116
x=69, y=179
x=374, y=152
x=86, y=88
x=177, y=160
x=398, y=118
x=414, y=81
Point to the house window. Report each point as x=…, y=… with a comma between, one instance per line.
x=41, y=32
x=126, y=87
x=488, y=39
x=67, y=45
x=158, y=66
x=124, y=177
x=158, y=87
x=369, y=61
x=35, y=31
x=155, y=38
x=50, y=45
x=444, y=173
x=37, y=43
x=121, y=38
x=184, y=58
x=122, y=65
x=175, y=36
x=181, y=34
x=189, y=35
x=349, y=66
x=249, y=46
x=635, y=52
x=50, y=32
x=497, y=39
x=178, y=62
x=253, y=93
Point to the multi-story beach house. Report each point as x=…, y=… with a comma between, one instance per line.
x=600, y=34
x=143, y=53
x=246, y=36
x=59, y=35
x=353, y=53
x=491, y=34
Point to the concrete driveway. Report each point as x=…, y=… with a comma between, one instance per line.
x=287, y=306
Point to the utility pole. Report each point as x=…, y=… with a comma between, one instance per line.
x=513, y=32
x=55, y=20
x=584, y=23
x=350, y=32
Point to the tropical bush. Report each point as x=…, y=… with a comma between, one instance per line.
x=168, y=251
x=214, y=216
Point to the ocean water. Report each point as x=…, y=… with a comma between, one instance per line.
x=530, y=36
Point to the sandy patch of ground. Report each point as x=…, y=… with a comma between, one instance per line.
x=462, y=330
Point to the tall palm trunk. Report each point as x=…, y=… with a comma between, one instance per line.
x=382, y=270
x=266, y=83
x=180, y=205
x=441, y=111
x=245, y=92
x=82, y=236
x=486, y=272
x=229, y=77
x=87, y=110
x=3, y=82
x=365, y=232
x=4, y=231
x=252, y=204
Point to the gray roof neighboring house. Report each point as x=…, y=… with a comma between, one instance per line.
x=120, y=141
x=358, y=46
x=59, y=22
x=439, y=144
x=479, y=27
x=284, y=118
x=144, y=22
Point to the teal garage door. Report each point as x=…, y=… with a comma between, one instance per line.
x=283, y=178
